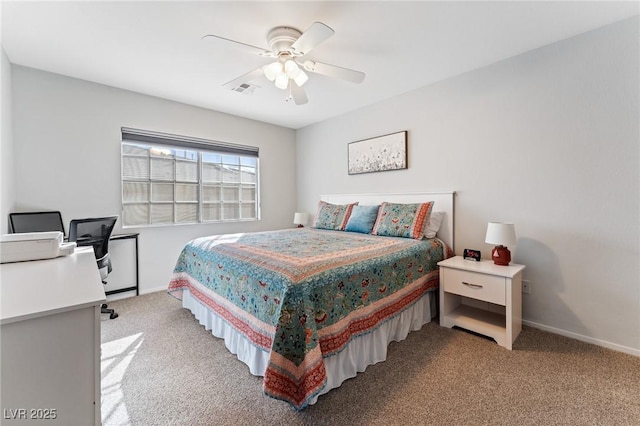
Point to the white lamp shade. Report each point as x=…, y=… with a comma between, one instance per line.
x=299, y=218
x=501, y=234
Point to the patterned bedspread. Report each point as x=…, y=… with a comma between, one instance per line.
x=302, y=294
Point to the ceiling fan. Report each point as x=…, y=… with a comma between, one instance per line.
x=289, y=47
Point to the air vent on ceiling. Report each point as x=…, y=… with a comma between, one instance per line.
x=245, y=88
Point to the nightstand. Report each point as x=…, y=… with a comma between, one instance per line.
x=482, y=297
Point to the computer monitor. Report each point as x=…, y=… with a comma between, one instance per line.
x=36, y=222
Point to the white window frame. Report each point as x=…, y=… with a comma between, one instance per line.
x=194, y=181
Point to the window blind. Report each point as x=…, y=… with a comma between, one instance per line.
x=157, y=138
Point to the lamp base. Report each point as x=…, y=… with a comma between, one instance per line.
x=501, y=255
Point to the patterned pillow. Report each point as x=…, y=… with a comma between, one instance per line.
x=332, y=216
x=402, y=220
x=362, y=219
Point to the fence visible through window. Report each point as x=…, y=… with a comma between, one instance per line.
x=169, y=179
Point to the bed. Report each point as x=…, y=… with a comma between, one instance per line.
x=307, y=308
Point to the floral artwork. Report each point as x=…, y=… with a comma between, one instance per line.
x=387, y=152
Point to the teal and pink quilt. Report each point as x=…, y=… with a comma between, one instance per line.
x=303, y=294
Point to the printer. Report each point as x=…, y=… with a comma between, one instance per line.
x=33, y=246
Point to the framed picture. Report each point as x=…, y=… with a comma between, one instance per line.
x=387, y=152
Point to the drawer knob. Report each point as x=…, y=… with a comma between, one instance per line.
x=471, y=285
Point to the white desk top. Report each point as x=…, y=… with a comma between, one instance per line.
x=45, y=287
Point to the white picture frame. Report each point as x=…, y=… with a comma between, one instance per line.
x=382, y=153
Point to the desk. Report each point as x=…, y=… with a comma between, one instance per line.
x=50, y=325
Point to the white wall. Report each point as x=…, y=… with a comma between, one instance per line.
x=67, y=158
x=7, y=192
x=549, y=140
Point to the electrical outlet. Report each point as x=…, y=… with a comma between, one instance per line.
x=526, y=287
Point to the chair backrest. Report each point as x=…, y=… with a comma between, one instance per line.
x=93, y=232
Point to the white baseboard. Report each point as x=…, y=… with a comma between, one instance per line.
x=154, y=290
x=582, y=338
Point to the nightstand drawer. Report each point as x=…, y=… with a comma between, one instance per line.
x=489, y=288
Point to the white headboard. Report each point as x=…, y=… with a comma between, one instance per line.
x=443, y=201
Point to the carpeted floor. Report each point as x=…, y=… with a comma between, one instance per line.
x=160, y=367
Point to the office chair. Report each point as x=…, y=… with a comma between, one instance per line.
x=96, y=232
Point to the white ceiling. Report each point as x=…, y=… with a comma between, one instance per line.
x=156, y=48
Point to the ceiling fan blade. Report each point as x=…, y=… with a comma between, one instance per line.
x=259, y=50
x=297, y=93
x=334, y=71
x=316, y=34
x=244, y=78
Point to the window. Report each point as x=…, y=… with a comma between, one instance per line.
x=169, y=179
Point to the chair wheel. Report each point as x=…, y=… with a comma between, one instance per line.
x=113, y=315
x=103, y=306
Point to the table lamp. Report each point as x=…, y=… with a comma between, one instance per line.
x=299, y=219
x=503, y=235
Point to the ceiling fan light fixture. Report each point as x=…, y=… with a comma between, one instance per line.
x=273, y=70
x=291, y=68
x=289, y=47
x=282, y=81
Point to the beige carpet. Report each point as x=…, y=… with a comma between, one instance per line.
x=160, y=367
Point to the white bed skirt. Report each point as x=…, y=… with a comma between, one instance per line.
x=361, y=352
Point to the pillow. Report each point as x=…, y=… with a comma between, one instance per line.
x=433, y=224
x=402, y=220
x=362, y=219
x=332, y=216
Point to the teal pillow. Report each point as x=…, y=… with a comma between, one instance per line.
x=362, y=219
